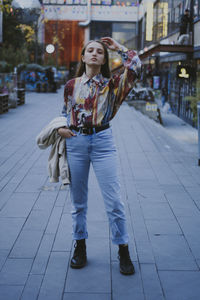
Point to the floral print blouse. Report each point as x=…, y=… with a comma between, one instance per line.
x=94, y=102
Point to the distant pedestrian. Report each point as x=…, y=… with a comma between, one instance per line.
x=185, y=28
x=164, y=95
x=91, y=101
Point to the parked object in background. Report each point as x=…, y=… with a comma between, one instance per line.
x=3, y=103
x=8, y=85
x=143, y=99
x=141, y=94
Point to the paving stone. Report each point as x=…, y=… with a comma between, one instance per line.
x=180, y=285
x=151, y=282
x=38, y=219
x=3, y=256
x=182, y=205
x=145, y=251
x=194, y=193
x=95, y=276
x=27, y=244
x=10, y=292
x=54, y=279
x=62, y=197
x=63, y=239
x=19, y=205
x=46, y=200
x=126, y=287
x=54, y=220
x=31, y=183
x=98, y=229
x=9, y=231
x=157, y=211
x=86, y=296
x=6, y=193
x=172, y=253
x=163, y=226
x=32, y=287
x=15, y=271
x=42, y=257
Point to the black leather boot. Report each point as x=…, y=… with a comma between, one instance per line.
x=79, y=258
x=126, y=266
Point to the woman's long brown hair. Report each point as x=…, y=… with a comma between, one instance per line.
x=105, y=70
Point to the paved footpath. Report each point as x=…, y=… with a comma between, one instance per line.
x=160, y=187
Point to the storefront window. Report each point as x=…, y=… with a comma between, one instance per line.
x=125, y=32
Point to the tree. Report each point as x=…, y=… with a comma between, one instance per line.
x=18, y=39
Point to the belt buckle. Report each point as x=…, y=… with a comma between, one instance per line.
x=84, y=131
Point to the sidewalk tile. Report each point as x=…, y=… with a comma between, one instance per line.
x=19, y=205
x=15, y=271
x=172, y=253
x=27, y=244
x=3, y=256
x=32, y=287
x=63, y=239
x=9, y=231
x=157, y=211
x=42, y=257
x=86, y=296
x=151, y=282
x=126, y=287
x=180, y=285
x=31, y=183
x=10, y=292
x=165, y=226
x=54, y=279
x=54, y=220
x=95, y=276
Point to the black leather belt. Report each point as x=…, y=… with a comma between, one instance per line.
x=90, y=130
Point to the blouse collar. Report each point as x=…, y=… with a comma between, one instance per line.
x=97, y=78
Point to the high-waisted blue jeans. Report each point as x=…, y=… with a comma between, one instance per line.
x=98, y=149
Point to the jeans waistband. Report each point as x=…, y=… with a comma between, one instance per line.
x=90, y=130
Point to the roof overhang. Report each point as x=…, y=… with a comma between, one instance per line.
x=165, y=48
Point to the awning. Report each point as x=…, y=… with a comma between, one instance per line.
x=165, y=48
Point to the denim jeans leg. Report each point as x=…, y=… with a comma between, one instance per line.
x=79, y=164
x=104, y=161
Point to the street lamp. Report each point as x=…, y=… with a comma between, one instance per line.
x=29, y=12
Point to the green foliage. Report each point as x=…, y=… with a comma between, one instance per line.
x=13, y=57
x=194, y=100
x=18, y=39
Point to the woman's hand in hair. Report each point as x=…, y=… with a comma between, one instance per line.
x=65, y=132
x=111, y=43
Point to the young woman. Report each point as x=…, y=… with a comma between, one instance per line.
x=91, y=101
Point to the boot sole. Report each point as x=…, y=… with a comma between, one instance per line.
x=125, y=273
x=77, y=266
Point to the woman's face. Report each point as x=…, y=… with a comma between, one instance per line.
x=94, y=54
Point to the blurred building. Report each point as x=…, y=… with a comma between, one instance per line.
x=68, y=24
x=149, y=26
x=163, y=57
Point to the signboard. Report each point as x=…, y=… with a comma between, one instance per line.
x=156, y=82
x=149, y=22
x=184, y=72
x=98, y=13
x=151, y=107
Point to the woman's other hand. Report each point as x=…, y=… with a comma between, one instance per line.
x=111, y=43
x=65, y=132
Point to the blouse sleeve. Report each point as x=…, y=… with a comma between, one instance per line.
x=68, y=90
x=123, y=83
